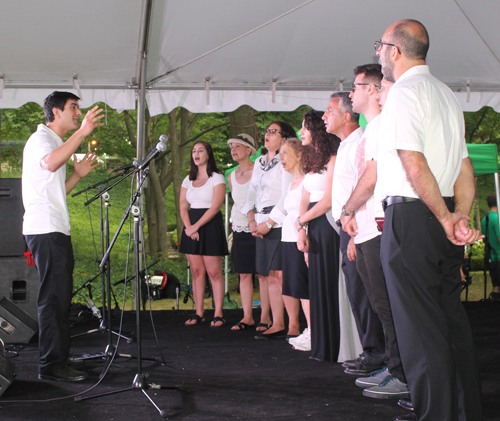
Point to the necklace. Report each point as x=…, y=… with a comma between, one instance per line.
x=242, y=172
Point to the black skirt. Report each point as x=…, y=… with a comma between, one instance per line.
x=268, y=252
x=212, y=240
x=295, y=271
x=243, y=252
x=324, y=243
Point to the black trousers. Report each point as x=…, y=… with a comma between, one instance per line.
x=370, y=270
x=371, y=333
x=53, y=254
x=422, y=272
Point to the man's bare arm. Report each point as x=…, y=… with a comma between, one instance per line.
x=425, y=185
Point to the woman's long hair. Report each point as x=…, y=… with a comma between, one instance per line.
x=316, y=156
x=211, y=165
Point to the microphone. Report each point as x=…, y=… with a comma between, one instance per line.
x=160, y=147
x=126, y=167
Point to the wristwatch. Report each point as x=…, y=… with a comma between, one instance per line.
x=303, y=226
x=268, y=224
x=345, y=213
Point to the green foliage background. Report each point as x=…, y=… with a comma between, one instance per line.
x=113, y=140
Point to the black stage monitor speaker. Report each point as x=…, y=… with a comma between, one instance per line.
x=6, y=373
x=16, y=326
x=11, y=222
x=20, y=283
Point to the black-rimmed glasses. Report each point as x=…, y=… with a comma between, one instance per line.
x=273, y=131
x=378, y=45
x=354, y=85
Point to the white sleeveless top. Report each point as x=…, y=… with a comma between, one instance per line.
x=315, y=185
x=239, y=194
x=292, y=206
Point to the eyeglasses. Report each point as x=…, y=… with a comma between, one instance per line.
x=273, y=131
x=355, y=85
x=378, y=45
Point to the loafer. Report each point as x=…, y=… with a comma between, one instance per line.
x=63, y=374
x=351, y=363
x=363, y=368
x=389, y=388
x=406, y=417
x=374, y=379
x=280, y=334
x=406, y=404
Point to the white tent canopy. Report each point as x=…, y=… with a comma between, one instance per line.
x=213, y=56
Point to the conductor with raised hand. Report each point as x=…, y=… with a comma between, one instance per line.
x=46, y=225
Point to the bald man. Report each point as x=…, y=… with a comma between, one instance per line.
x=426, y=181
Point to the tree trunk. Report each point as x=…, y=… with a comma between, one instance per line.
x=176, y=168
x=242, y=120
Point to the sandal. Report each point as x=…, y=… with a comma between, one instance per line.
x=198, y=319
x=218, y=319
x=241, y=326
x=263, y=325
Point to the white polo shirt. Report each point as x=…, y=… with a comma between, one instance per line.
x=344, y=172
x=365, y=214
x=44, y=192
x=421, y=114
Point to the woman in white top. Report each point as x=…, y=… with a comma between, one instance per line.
x=295, y=272
x=203, y=238
x=243, y=250
x=264, y=208
x=322, y=241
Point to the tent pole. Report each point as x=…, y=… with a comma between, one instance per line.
x=226, y=258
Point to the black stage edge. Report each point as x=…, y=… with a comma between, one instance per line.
x=224, y=375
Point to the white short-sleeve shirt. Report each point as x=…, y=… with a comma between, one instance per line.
x=423, y=115
x=44, y=191
x=365, y=215
x=344, y=172
x=202, y=197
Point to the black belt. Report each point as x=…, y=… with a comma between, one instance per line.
x=264, y=211
x=393, y=200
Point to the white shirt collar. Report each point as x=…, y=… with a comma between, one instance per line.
x=421, y=69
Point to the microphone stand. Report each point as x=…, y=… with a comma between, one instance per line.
x=139, y=382
x=105, y=316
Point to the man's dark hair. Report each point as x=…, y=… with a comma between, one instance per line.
x=56, y=100
x=491, y=199
x=412, y=39
x=346, y=104
x=373, y=73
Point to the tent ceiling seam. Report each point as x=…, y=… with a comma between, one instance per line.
x=157, y=78
x=478, y=33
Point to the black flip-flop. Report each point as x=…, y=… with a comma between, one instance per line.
x=218, y=319
x=241, y=326
x=199, y=320
x=266, y=325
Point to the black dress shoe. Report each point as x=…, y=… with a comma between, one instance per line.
x=276, y=335
x=362, y=368
x=406, y=404
x=407, y=417
x=63, y=374
x=351, y=363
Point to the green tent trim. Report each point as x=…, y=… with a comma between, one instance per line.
x=484, y=158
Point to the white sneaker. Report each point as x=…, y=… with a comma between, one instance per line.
x=293, y=341
x=304, y=344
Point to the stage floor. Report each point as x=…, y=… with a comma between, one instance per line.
x=220, y=375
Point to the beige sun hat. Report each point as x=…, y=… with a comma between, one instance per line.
x=245, y=140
